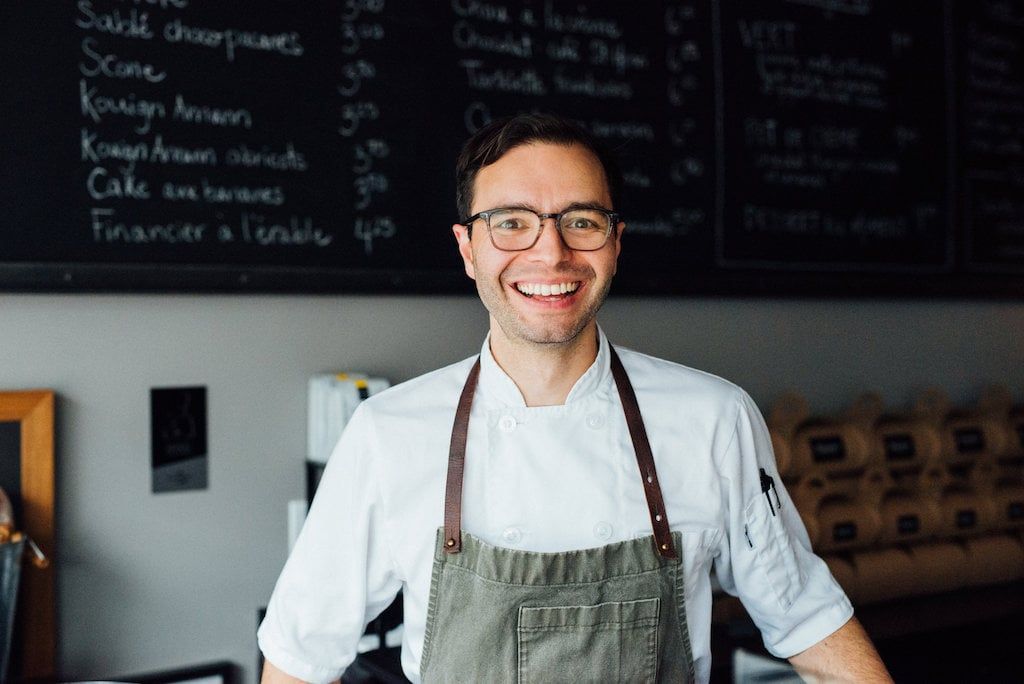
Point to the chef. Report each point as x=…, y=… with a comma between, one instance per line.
x=552, y=508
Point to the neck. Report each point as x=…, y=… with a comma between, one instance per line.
x=544, y=373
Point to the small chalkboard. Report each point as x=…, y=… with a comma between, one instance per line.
x=178, y=438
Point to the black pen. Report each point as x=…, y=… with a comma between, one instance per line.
x=768, y=484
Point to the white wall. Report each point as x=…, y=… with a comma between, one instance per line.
x=161, y=581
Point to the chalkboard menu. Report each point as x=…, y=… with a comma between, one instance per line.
x=991, y=99
x=834, y=137
x=800, y=146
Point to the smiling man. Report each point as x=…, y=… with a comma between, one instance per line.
x=552, y=508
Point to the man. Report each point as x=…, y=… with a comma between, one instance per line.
x=552, y=509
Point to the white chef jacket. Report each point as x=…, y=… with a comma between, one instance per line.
x=549, y=478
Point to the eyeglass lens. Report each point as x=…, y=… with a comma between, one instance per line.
x=516, y=229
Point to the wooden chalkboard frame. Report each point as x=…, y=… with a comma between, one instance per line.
x=35, y=626
x=629, y=282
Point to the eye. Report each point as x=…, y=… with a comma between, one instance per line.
x=508, y=224
x=584, y=222
x=512, y=221
x=580, y=223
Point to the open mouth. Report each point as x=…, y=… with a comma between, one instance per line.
x=550, y=291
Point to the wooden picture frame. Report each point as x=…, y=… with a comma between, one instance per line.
x=34, y=649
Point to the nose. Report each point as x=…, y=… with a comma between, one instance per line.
x=550, y=247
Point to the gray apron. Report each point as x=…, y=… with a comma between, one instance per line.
x=612, y=613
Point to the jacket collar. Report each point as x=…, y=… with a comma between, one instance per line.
x=501, y=389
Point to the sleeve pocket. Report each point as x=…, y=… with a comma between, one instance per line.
x=774, y=558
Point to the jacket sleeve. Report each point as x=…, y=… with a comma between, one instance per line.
x=340, y=574
x=765, y=556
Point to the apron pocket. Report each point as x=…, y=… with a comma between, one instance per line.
x=615, y=641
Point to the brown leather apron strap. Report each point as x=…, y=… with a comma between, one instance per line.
x=456, y=464
x=644, y=458
x=637, y=432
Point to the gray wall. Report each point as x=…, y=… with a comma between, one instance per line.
x=160, y=581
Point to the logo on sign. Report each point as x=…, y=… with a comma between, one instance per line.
x=899, y=447
x=969, y=440
x=908, y=524
x=828, y=449
x=966, y=519
x=844, y=531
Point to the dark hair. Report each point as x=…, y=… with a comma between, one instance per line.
x=490, y=143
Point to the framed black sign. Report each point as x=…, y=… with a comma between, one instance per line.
x=774, y=147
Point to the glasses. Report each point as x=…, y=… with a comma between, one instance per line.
x=583, y=229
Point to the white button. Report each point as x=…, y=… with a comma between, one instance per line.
x=603, y=530
x=512, y=535
x=507, y=423
x=595, y=420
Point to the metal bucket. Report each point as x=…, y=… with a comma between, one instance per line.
x=10, y=574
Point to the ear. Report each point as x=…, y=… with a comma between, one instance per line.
x=465, y=241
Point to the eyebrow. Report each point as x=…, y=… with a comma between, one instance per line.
x=570, y=207
x=586, y=205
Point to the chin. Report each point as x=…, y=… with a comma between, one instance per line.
x=553, y=335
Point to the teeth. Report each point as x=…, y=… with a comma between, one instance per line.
x=546, y=289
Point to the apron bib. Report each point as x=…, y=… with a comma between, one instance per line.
x=611, y=613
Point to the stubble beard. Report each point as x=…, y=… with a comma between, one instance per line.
x=517, y=329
